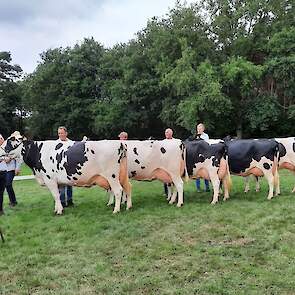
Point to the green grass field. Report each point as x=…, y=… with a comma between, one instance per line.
x=243, y=246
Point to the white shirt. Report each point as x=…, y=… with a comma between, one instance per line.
x=204, y=136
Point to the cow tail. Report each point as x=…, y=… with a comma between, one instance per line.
x=228, y=180
x=276, y=164
x=124, y=179
x=186, y=177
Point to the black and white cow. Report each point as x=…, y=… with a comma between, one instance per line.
x=208, y=159
x=85, y=164
x=287, y=158
x=255, y=156
x=157, y=159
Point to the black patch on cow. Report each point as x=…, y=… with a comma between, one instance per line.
x=266, y=166
x=136, y=161
x=87, y=150
x=79, y=173
x=113, y=175
x=133, y=173
x=135, y=151
x=197, y=151
x=142, y=167
x=163, y=150
x=75, y=158
x=121, y=152
x=92, y=151
x=52, y=170
x=241, y=152
x=282, y=150
x=59, y=157
x=69, y=178
x=58, y=146
x=75, y=178
x=32, y=152
x=48, y=176
x=215, y=162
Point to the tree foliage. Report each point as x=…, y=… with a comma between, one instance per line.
x=227, y=63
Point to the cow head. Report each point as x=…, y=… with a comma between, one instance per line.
x=13, y=145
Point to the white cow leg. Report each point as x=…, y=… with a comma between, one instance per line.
x=270, y=179
x=215, y=184
x=53, y=187
x=111, y=198
x=179, y=187
x=124, y=198
x=278, y=189
x=169, y=191
x=117, y=190
x=257, y=187
x=247, y=186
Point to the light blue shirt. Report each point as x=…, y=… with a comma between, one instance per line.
x=12, y=165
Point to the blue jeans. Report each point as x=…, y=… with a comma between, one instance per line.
x=62, y=192
x=198, y=184
x=9, y=188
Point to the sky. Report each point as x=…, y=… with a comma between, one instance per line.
x=29, y=27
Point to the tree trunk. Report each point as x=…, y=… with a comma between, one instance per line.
x=239, y=130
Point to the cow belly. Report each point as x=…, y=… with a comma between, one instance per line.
x=158, y=173
x=288, y=166
x=255, y=171
x=95, y=180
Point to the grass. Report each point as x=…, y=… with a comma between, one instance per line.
x=242, y=246
x=25, y=170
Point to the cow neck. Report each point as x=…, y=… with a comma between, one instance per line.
x=32, y=155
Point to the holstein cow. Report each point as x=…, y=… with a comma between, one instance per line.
x=287, y=157
x=255, y=156
x=85, y=164
x=208, y=159
x=157, y=159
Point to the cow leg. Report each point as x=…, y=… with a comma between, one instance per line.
x=53, y=187
x=111, y=197
x=170, y=187
x=270, y=179
x=247, y=186
x=257, y=186
x=215, y=184
x=117, y=190
x=177, y=180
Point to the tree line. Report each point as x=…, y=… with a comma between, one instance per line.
x=227, y=63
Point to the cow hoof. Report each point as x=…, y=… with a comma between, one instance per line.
x=116, y=211
x=171, y=202
x=213, y=202
x=109, y=204
x=269, y=198
x=179, y=205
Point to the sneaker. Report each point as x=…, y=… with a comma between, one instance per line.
x=12, y=204
x=70, y=203
x=198, y=190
